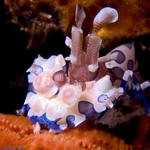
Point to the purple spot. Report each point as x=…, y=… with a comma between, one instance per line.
x=128, y=45
x=120, y=58
x=88, y=110
x=118, y=72
x=130, y=64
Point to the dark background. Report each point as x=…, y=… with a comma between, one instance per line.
x=16, y=59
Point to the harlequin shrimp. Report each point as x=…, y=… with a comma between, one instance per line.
x=61, y=96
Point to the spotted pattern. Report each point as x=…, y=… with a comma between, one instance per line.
x=45, y=123
x=120, y=58
x=87, y=109
x=130, y=64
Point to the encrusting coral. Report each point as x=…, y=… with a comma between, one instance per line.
x=17, y=132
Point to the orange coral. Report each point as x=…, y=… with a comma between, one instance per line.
x=17, y=132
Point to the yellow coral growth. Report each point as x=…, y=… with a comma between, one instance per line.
x=133, y=20
x=134, y=16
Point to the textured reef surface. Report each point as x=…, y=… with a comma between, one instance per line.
x=17, y=132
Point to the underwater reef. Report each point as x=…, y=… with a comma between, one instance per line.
x=21, y=136
x=29, y=28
